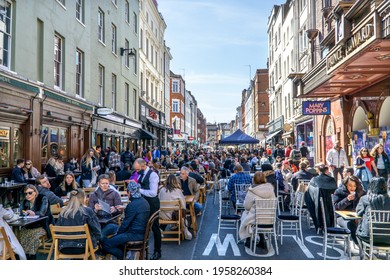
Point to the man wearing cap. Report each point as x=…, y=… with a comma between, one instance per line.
x=133, y=225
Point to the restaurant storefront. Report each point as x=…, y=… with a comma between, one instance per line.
x=354, y=75
x=153, y=122
x=37, y=123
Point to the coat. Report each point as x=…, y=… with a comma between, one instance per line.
x=264, y=191
x=111, y=196
x=363, y=229
x=340, y=198
x=321, y=186
x=173, y=195
x=16, y=247
x=192, y=185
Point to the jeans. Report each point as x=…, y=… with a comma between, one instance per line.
x=197, y=207
x=109, y=229
x=348, y=224
x=86, y=183
x=115, y=244
x=338, y=170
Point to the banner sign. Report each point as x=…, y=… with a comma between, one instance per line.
x=316, y=107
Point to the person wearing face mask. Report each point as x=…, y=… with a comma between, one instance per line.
x=71, y=165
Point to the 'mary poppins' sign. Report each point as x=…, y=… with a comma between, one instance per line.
x=316, y=107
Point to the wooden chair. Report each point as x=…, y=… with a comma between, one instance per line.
x=7, y=252
x=142, y=246
x=202, y=194
x=55, y=210
x=121, y=185
x=170, y=206
x=71, y=233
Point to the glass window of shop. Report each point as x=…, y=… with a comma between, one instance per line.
x=11, y=146
x=54, y=142
x=305, y=133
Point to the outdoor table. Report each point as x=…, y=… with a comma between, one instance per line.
x=348, y=215
x=7, y=187
x=190, y=201
x=24, y=221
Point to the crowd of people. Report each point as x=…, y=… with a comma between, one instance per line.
x=276, y=171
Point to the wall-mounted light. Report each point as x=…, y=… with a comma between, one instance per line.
x=131, y=51
x=48, y=113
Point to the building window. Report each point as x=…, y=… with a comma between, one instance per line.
x=79, y=73
x=151, y=54
x=127, y=11
x=127, y=99
x=134, y=103
x=175, y=86
x=113, y=91
x=175, y=106
x=101, y=85
x=54, y=142
x=147, y=48
x=113, y=39
x=141, y=40
x=135, y=23
x=147, y=87
x=127, y=58
x=5, y=33
x=11, y=146
x=80, y=10
x=101, y=26
x=58, y=47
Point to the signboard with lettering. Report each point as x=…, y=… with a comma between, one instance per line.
x=316, y=107
x=4, y=133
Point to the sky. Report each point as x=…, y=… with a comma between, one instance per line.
x=217, y=45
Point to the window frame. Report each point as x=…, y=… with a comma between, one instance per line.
x=114, y=79
x=58, y=61
x=79, y=72
x=114, y=39
x=7, y=33
x=101, y=24
x=80, y=11
x=101, y=84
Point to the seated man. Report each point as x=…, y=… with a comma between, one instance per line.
x=134, y=224
x=189, y=187
x=301, y=174
x=18, y=173
x=43, y=187
x=238, y=178
x=102, y=196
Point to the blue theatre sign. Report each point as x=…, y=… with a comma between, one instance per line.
x=316, y=107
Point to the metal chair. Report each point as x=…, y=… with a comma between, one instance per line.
x=292, y=221
x=265, y=221
x=240, y=191
x=379, y=222
x=227, y=221
x=335, y=234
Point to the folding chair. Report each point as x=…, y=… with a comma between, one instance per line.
x=78, y=233
x=170, y=206
x=379, y=223
x=6, y=253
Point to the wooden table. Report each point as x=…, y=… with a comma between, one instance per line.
x=190, y=201
x=347, y=215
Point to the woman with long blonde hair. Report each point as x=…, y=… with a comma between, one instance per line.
x=77, y=214
x=89, y=168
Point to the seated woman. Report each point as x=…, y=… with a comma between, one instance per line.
x=34, y=204
x=347, y=197
x=67, y=185
x=30, y=172
x=377, y=198
x=76, y=214
x=7, y=215
x=172, y=191
x=260, y=189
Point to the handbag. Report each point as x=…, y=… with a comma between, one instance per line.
x=175, y=214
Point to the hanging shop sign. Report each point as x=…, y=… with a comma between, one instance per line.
x=316, y=107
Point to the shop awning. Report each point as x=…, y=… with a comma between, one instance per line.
x=272, y=135
x=144, y=134
x=170, y=140
x=156, y=124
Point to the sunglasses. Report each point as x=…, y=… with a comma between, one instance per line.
x=365, y=151
x=28, y=163
x=28, y=193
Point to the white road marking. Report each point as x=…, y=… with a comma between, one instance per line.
x=222, y=247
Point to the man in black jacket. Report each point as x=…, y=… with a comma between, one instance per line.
x=18, y=173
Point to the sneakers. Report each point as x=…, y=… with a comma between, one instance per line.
x=187, y=234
